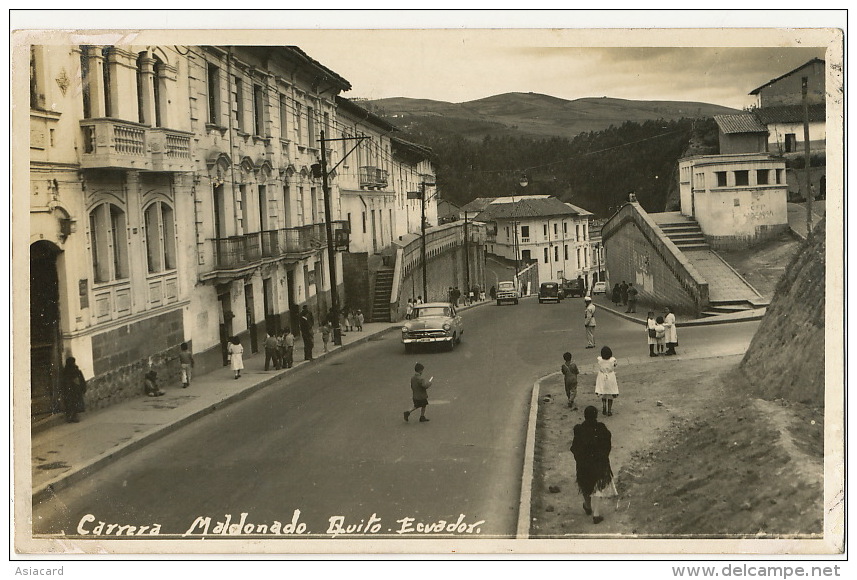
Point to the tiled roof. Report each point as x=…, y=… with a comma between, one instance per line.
x=478, y=204
x=525, y=208
x=745, y=123
x=790, y=114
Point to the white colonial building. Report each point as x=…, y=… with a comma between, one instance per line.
x=541, y=230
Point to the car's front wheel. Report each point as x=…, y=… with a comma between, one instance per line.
x=451, y=343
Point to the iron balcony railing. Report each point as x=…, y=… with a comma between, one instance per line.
x=371, y=176
x=235, y=252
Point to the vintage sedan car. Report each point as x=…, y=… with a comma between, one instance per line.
x=549, y=292
x=599, y=288
x=433, y=322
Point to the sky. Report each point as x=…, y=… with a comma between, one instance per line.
x=461, y=71
x=701, y=55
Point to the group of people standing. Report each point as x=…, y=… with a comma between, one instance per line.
x=625, y=294
x=661, y=333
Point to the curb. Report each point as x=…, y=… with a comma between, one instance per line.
x=45, y=490
x=525, y=503
x=711, y=320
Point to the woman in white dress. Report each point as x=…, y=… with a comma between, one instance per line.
x=236, y=355
x=605, y=383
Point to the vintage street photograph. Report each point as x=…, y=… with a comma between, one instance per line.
x=501, y=290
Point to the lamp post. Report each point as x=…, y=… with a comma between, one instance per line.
x=523, y=182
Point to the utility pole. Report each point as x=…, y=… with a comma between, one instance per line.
x=423, y=236
x=331, y=256
x=803, y=85
x=466, y=258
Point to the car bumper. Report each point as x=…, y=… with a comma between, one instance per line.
x=426, y=339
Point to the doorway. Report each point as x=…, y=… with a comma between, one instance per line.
x=250, y=308
x=293, y=305
x=224, y=298
x=45, y=340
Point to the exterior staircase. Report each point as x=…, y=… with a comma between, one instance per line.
x=728, y=291
x=685, y=233
x=381, y=297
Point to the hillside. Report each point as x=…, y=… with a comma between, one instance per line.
x=530, y=114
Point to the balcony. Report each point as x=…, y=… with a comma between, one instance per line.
x=372, y=177
x=114, y=144
x=241, y=253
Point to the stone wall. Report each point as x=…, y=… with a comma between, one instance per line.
x=122, y=356
x=786, y=356
x=636, y=251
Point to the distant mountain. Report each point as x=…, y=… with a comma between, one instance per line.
x=530, y=114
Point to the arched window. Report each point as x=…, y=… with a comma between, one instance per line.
x=160, y=237
x=108, y=242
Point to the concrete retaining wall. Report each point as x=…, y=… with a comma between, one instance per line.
x=638, y=251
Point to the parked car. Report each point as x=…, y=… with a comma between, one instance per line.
x=507, y=292
x=575, y=287
x=433, y=322
x=549, y=292
x=599, y=288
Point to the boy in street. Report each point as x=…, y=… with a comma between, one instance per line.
x=419, y=387
x=186, y=361
x=570, y=372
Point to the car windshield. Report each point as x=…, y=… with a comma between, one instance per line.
x=431, y=311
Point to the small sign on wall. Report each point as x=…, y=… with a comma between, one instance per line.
x=83, y=291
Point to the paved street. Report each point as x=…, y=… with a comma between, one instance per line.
x=330, y=440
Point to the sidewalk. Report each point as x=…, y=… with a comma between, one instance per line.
x=67, y=452
x=602, y=302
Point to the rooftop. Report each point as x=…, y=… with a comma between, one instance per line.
x=745, y=123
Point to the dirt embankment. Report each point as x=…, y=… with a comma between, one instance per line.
x=786, y=357
x=694, y=455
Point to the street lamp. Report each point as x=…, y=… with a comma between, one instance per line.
x=523, y=182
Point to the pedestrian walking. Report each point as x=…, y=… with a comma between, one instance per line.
x=450, y=295
x=410, y=309
x=569, y=373
x=343, y=320
x=359, y=320
x=236, y=356
x=307, y=323
x=591, y=449
x=660, y=334
x=589, y=322
x=632, y=298
x=186, y=361
x=73, y=387
x=289, y=348
x=419, y=392
x=651, y=333
x=150, y=384
x=671, y=337
x=616, y=296
x=325, y=335
x=606, y=385
x=493, y=293
x=271, y=351
x=623, y=293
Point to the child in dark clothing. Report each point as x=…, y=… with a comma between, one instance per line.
x=570, y=372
